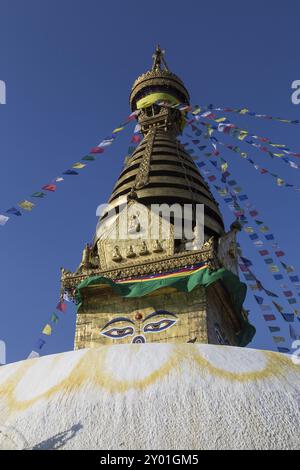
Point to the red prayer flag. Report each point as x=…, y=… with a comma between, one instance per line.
x=97, y=150
x=279, y=253
x=269, y=317
x=49, y=187
x=62, y=307
x=136, y=139
x=263, y=252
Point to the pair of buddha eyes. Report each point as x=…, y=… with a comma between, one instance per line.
x=154, y=327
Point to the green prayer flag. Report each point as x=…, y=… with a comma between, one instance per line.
x=38, y=194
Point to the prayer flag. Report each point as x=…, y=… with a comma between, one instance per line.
x=278, y=339
x=61, y=306
x=70, y=172
x=79, y=166
x=39, y=194
x=288, y=317
x=284, y=350
x=89, y=158
x=47, y=330
x=41, y=343
x=269, y=317
x=3, y=219
x=49, y=187
x=259, y=300
x=289, y=269
x=14, y=211
x=263, y=252
x=136, y=139
x=274, y=329
x=293, y=333
x=26, y=205
x=97, y=150
x=54, y=318
x=33, y=355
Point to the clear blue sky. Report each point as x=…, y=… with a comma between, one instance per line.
x=68, y=66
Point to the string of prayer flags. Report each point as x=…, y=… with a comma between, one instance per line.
x=245, y=111
x=239, y=212
x=245, y=265
x=48, y=327
x=100, y=148
x=280, y=182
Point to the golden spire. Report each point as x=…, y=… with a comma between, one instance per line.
x=158, y=59
x=159, y=78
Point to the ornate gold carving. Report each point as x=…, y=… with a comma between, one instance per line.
x=167, y=263
x=142, y=176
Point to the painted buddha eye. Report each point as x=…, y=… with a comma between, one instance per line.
x=161, y=325
x=118, y=333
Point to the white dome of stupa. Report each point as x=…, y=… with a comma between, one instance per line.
x=152, y=397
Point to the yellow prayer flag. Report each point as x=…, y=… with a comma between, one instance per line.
x=220, y=119
x=244, y=111
x=279, y=155
x=243, y=135
x=197, y=110
x=78, y=165
x=26, y=205
x=280, y=182
x=47, y=330
x=118, y=129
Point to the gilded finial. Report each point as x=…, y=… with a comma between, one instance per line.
x=159, y=60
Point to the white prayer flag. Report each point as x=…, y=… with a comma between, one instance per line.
x=3, y=219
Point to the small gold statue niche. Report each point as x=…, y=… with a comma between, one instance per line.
x=116, y=254
x=134, y=224
x=130, y=252
x=157, y=247
x=144, y=249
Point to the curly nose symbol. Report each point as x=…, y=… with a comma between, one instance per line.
x=139, y=339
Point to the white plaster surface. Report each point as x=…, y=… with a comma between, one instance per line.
x=152, y=396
